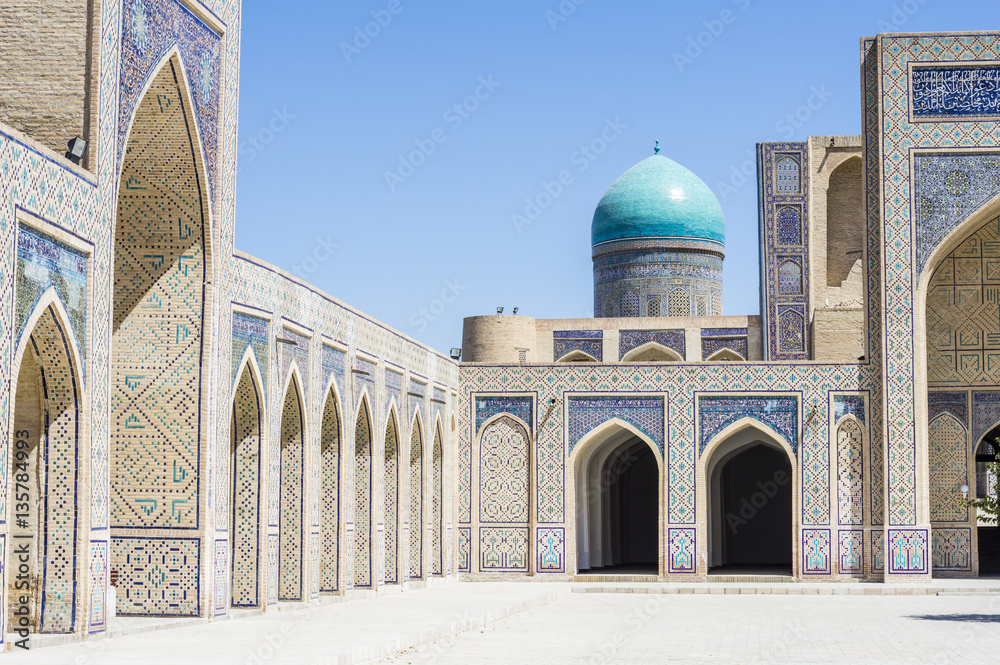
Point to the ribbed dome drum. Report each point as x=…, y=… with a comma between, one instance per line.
x=659, y=241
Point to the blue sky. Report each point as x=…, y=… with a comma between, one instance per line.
x=391, y=150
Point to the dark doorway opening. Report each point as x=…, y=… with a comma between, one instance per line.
x=986, y=485
x=754, y=513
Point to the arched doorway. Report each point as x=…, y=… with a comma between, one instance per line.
x=437, y=504
x=44, y=458
x=986, y=485
x=363, y=578
x=292, y=467
x=617, y=499
x=161, y=322
x=750, y=505
x=245, y=532
x=329, y=499
x=390, y=494
x=416, y=503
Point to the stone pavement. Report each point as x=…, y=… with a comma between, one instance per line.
x=586, y=624
x=717, y=628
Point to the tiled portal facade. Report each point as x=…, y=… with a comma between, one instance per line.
x=219, y=434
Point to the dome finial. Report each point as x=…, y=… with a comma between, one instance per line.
x=656, y=150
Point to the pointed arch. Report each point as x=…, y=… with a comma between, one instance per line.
x=652, y=352
x=850, y=451
x=845, y=220
x=577, y=356
x=245, y=501
x=390, y=496
x=597, y=436
x=416, y=499
x=330, y=485
x=725, y=354
x=162, y=321
x=437, y=499
x=47, y=446
x=249, y=363
x=948, y=465
x=291, y=458
x=363, y=500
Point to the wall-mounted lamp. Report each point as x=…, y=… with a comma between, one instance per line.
x=965, y=492
x=76, y=149
x=282, y=340
x=515, y=310
x=456, y=354
x=499, y=310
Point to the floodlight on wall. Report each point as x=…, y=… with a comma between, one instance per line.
x=77, y=148
x=499, y=310
x=515, y=310
x=456, y=354
x=965, y=492
x=282, y=340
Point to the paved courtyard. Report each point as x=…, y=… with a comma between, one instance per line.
x=468, y=624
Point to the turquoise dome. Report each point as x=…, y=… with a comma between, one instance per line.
x=658, y=198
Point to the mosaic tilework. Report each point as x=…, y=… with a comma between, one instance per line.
x=551, y=550
x=246, y=499
x=946, y=447
x=952, y=550
x=520, y=406
x=850, y=474
x=329, y=516
x=963, y=308
x=816, y=552
x=712, y=345
x=784, y=255
x=851, y=552
x=295, y=352
x=149, y=31
x=908, y=551
x=42, y=263
x=633, y=339
x=849, y=405
x=393, y=384
x=683, y=554
x=98, y=585
x=644, y=413
x=253, y=332
x=292, y=460
x=363, y=496
x=985, y=412
x=334, y=364
x=416, y=503
x=717, y=413
x=364, y=377
x=503, y=549
x=955, y=92
x=390, y=494
x=592, y=347
x=437, y=506
x=221, y=582
x=950, y=188
x=503, y=473
x=162, y=576
x=955, y=403
x=158, y=319
x=417, y=394
x=464, y=549
x=272, y=568
x=878, y=551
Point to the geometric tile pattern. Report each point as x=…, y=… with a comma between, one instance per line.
x=632, y=339
x=292, y=461
x=98, y=586
x=149, y=30
x=985, y=412
x=158, y=320
x=363, y=497
x=246, y=500
x=464, y=549
x=849, y=405
x=253, y=332
x=852, y=552
x=948, y=464
x=816, y=552
x=956, y=92
x=390, y=492
x=503, y=474
x=503, y=549
x=644, y=413
x=952, y=549
x=850, y=473
x=437, y=505
x=416, y=503
x=909, y=551
x=717, y=413
x=518, y=406
x=592, y=347
x=955, y=403
x=784, y=234
x=683, y=553
x=329, y=568
x=157, y=576
x=221, y=587
x=552, y=550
